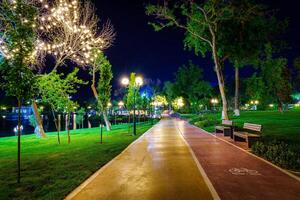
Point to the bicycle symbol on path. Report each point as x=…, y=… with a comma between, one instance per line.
x=243, y=172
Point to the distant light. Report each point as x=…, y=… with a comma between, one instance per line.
x=271, y=105
x=139, y=81
x=125, y=81
x=214, y=101
x=16, y=128
x=109, y=104
x=89, y=107
x=121, y=104
x=3, y=116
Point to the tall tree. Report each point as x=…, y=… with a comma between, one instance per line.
x=201, y=23
x=17, y=19
x=102, y=91
x=104, y=86
x=277, y=77
x=169, y=92
x=190, y=85
x=255, y=88
x=68, y=31
x=252, y=25
x=297, y=74
x=131, y=92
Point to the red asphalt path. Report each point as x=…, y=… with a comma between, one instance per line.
x=234, y=173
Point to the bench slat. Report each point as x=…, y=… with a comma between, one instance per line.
x=227, y=122
x=253, y=127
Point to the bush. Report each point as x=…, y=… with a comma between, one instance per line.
x=278, y=153
x=206, y=123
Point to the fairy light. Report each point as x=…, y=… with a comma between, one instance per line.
x=71, y=32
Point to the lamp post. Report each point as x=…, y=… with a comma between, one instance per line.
x=137, y=83
x=254, y=103
x=214, y=101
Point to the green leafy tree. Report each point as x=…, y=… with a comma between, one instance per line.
x=201, y=23
x=190, y=85
x=55, y=90
x=277, y=77
x=80, y=116
x=104, y=86
x=255, y=88
x=17, y=19
x=131, y=92
x=169, y=92
x=297, y=74
x=242, y=42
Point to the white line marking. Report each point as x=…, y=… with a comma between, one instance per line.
x=262, y=159
x=202, y=172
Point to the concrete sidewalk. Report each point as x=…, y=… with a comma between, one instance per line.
x=235, y=173
x=158, y=166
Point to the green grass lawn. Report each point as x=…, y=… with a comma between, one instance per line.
x=50, y=170
x=281, y=126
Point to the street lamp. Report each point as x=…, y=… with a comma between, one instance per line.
x=180, y=103
x=254, y=103
x=137, y=83
x=214, y=101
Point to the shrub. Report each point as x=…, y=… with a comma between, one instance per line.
x=278, y=153
x=205, y=123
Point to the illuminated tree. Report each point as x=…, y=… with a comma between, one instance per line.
x=68, y=31
x=201, y=23
x=17, y=21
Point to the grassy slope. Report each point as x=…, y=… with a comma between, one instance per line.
x=50, y=170
x=284, y=126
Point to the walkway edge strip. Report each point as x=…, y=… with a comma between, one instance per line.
x=93, y=176
x=260, y=158
x=202, y=172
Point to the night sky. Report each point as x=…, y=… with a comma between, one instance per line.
x=158, y=54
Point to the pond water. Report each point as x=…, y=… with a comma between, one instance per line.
x=8, y=126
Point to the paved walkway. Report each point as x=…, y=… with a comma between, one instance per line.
x=235, y=173
x=161, y=166
x=158, y=166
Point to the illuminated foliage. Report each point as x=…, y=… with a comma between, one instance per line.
x=68, y=30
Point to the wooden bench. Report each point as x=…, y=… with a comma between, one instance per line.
x=226, y=128
x=251, y=134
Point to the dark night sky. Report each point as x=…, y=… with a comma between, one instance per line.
x=158, y=54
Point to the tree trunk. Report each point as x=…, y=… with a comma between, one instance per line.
x=108, y=125
x=74, y=121
x=68, y=128
x=220, y=80
x=56, y=126
x=280, y=106
x=19, y=141
x=39, y=122
x=237, y=93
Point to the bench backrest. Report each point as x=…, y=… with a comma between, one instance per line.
x=253, y=127
x=227, y=122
